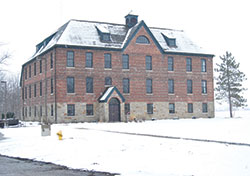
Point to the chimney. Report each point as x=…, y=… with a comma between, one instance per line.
x=131, y=20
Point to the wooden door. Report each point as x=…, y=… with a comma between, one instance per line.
x=114, y=110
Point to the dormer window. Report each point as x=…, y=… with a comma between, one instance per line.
x=171, y=42
x=142, y=40
x=103, y=33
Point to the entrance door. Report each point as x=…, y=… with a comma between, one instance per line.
x=114, y=110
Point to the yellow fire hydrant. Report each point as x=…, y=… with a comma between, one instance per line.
x=59, y=134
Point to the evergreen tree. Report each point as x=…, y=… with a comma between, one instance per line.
x=229, y=82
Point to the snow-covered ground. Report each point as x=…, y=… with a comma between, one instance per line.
x=86, y=146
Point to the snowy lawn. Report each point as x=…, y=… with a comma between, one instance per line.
x=133, y=155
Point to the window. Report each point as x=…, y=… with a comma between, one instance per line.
x=70, y=85
x=35, y=111
x=204, y=107
x=148, y=63
x=29, y=91
x=89, y=110
x=89, y=60
x=125, y=83
x=25, y=73
x=35, y=69
x=41, y=66
x=105, y=37
x=51, y=86
x=170, y=64
x=30, y=111
x=51, y=60
x=171, y=86
x=188, y=64
x=29, y=71
x=127, y=108
x=189, y=86
x=107, y=60
x=125, y=61
x=89, y=85
x=150, y=108
x=203, y=65
x=34, y=90
x=149, y=86
x=41, y=111
x=71, y=110
x=190, y=107
x=25, y=92
x=26, y=112
x=70, y=59
x=171, y=108
x=41, y=88
x=108, y=81
x=142, y=40
x=51, y=110
x=204, y=86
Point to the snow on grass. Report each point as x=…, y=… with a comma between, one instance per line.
x=139, y=155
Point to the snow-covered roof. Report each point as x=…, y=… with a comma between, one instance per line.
x=85, y=34
x=107, y=93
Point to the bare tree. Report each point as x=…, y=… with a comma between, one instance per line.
x=4, y=56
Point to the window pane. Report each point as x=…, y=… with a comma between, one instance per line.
x=189, y=64
x=51, y=110
x=51, y=86
x=170, y=64
x=125, y=85
x=89, y=109
x=89, y=85
x=149, y=86
x=51, y=60
x=41, y=89
x=150, y=108
x=41, y=66
x=34, y=68
x=189, y=86
x=71, y=110
x=142, y=40
x=89, y=60
x=190, y=107
x=127, y=109
x=203, y=65
x=34, y=90
x=125, y=61
x=70, y=59
x=107, y=60
x=204, y=86
x=70, y=85
x=108, y=81
x=170, y=86
x=148, y=63
x=204, y=107
x=171, y=108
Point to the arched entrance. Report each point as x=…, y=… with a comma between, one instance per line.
x=114, y=110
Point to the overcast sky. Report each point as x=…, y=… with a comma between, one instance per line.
x=216, y=25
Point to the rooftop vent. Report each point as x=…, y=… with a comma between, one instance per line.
x=103, y=33
x=131, y=20
x=171, y=42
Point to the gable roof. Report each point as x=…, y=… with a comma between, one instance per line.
x=108, y=92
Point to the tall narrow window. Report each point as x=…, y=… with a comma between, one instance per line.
x=188, y=64
x=149, y=86
x=25, y=73
x=70, y=59
x=71, y=110
x=171, y=86
x=89, y=85
x=51, y=61
x=34, y=90
x=107, y=60
x=204, y=107
x=148, y=63
x=29, y=71
x=35, y=69
x=41, y=66
x=51, y=110
x=51, y=86
x=204, y=86
x=70, y=85
x=25, y=92
x=189, y=86
x=190, y=107
x=41, y=88
x=171, y=108
x=125, y=83
x=170, y=64
x=127, y=108
x=150, y=108
x=203, y=65
x=125, y=61
x=30, y=111
x=29, y=91
x=108, y=81
x=89, y=109
x=41, y=111
x=34, y=111
x=89, y=60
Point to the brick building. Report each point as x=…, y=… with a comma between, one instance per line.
x=96, y=71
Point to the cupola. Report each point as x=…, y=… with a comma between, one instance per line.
x=131, y=20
